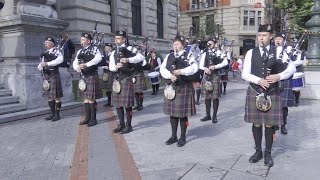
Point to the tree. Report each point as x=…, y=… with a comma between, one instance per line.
x=299, y=11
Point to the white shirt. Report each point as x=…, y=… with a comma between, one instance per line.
x=190, y=70
x=240, y=63
x=97, y=58
x=55, y=62
x=246, y=74
x=218, y=66
x=158, y=61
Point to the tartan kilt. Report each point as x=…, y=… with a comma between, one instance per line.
x=108, y=84
x=126, y=96
x=93, y=90
x=183, y=105
x=215, y=94
x=55, y=90
x=140, y=84
x=287, y=93
x=271, y=117
x=224, y=75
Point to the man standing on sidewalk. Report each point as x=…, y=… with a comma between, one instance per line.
x=211, y=62
x=264, y=72
x=52, y=88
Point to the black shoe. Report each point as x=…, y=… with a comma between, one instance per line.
x=126, y=130
x=49, y=117
x=197, y=103
x=284, y=129
x=156, y=93
x=296, y=104
x=140, y=108
x=214, y=119
x=135, y=107
x=56, y=118
x=276, y=127
x=107, y=104
x=256, y=157
x=118, y=129
x=181, y=142
x=224, y=93
x=268, y=159
x=92, y=123
x=206, y=118
x=172, y=140
x=85, y=121
x=153, y=93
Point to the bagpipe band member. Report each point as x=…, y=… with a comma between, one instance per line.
x=49, y=65
x=211, y=62
x=178, y=71
x=224, y=72
x=298, y=63
x=263, y=102
x=107, y=76
x=139, y=80
x=122, y=63
x=86, y=64
x=286, y=84
x=155, y=63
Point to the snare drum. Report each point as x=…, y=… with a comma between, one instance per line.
x=154, y=77
x=297, y=81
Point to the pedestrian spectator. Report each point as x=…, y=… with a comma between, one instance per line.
x=240, y=64
x=235, y=69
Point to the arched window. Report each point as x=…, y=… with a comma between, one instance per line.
x=160, y=19
x=136, y=17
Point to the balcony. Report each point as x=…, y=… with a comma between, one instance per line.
x=201, y=6
x=251, y=2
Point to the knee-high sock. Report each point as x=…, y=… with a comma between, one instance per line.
x=120, y=112
x=136, y=95
x=198, y=92
x=174, y=125
x=157, y=87
x=208, y=106
x=108, y=93
x=297, y=95
x=269, y=131
x=285, y=112
x=225, y=85
x=257, y=135
x=129, y=115
x=215, y=106
x=183, y=126
x=153, y=88
x=141, y=98
x=93, y=111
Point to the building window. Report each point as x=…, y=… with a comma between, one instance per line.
x=196, y=24
x=259, y=17
x=249, y=18
x=136, y=17
x=160, y=19
x=210, y=25
x=210, y=3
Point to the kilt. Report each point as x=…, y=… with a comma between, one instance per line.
x=224, y=77
x=140, y=84
x=287, y=93
x=183, y=105
x=55, y=90
x=271, y=117
x=93, y=90
x=126, y=96
x=108, y=84
x=215, y=94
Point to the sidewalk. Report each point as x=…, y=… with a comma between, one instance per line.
x=38, y=149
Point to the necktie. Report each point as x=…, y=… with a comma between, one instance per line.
x=177, y=55
x=264, y=55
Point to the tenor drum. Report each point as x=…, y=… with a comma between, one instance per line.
x=154, y=77
x=298, y=81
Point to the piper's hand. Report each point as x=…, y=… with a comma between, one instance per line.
x=119, y=65
x=124, y=60
x=78, y=69
x=43, y=64
x=106, y=67
x=173, y=78
x=273, y=78
x=40, y=67
x=177, y=72
x=212, y=68
x=207, y=70
x=82, y=66
x=264, y=83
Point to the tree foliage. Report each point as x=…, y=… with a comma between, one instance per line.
x=299, y=11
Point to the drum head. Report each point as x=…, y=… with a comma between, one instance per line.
x=169, y=92
x=298, y=75
x=153, y=74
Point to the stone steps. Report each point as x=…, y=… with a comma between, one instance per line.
x=5, y=92
x=8, y=100
x=10, y=108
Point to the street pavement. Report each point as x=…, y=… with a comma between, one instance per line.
x=37, y=149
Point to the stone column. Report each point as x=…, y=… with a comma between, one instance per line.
x=23, y=28
x=312, y=70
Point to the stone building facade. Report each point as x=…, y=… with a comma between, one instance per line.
x=239, y=19
x=25, y=23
